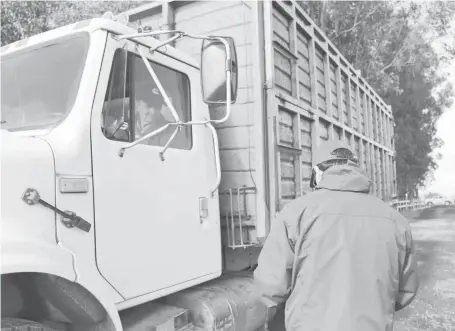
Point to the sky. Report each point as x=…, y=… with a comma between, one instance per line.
x=444, y=176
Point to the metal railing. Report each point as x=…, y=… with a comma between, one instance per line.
x=409, y=205
x=237, y=221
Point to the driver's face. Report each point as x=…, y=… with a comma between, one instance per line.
x=145, y=110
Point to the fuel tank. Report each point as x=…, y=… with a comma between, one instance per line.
x=228, y=303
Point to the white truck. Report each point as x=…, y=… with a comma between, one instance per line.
x=144, y=160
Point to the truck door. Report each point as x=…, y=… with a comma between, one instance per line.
x=153, y=233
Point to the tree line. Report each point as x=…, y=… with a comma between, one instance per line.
x=402, y=48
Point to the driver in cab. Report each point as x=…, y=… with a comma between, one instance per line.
x=151, y=113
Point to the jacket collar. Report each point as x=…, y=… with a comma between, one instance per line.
x=345, y=178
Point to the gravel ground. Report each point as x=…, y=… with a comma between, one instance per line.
x=434, y=307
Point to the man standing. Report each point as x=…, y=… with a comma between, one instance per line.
x=339, y=258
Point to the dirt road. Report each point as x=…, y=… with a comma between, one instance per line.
x=434, y=307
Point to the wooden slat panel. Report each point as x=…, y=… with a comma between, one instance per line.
x=305, y=138
x=281, y=28
x=323, y=130
x=320, y=80
x=386, y=175
x=333, y=90
x=338, y=133
x=357, y=148
x=366, y=101
x=354, y=106
x=378, y=117
x=305, y=135
x=304, y=76
x=323, y=41
x=381, y=173
x=347, y=136
x=378, y=172
x=306, y=171
x=287, y=175
x=303, y=65
x=306, y=176
x=305, y=124
x=287, y=169
x=283, y=75
x=374, y=121
x=306, y=156
x=283, y=62
x=303, y=44
x=286, y=117
x=286, y=131
x=380, y=127
x=392, y=140
x=331, y=87
x=365, y=161
x=362, y=112
x=344, y=98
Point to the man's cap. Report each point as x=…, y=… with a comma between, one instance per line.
x=333, y=150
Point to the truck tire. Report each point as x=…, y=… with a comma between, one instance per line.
x=18, y=324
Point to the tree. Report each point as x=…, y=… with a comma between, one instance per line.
x=392, y=44
x=22, y=19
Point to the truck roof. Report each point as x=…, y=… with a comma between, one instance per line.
x=92, y=25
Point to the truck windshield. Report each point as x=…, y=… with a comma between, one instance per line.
x=39, y=86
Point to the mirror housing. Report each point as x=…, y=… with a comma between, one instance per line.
x=213, y=71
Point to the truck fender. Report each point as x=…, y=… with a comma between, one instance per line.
x=56, y=264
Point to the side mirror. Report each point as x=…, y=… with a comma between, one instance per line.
x=213, y=71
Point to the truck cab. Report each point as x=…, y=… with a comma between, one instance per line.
x=110, y=170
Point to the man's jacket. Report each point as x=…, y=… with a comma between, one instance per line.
x=340, y=258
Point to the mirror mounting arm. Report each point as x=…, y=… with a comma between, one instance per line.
x=158, y=84
x=177, y=130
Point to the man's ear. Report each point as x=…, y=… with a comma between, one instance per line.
x=313, y=179
x=316, y=175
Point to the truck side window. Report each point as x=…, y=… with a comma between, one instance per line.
x=151, y=112
x=115, y=121
x=134, y=106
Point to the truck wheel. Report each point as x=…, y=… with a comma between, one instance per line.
x=17, y=324
x=429, y=204
x=447, y=203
